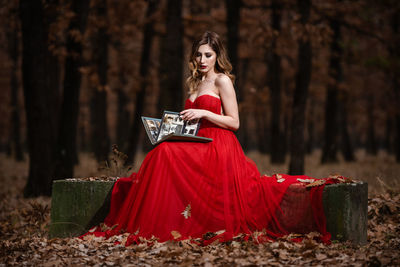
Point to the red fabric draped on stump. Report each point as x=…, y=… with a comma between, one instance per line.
x=195, y=188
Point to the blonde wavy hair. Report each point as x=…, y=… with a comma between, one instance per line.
x=222, y=64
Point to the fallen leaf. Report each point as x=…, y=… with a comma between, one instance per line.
x=176, y=234
x=316, y=183
x=187, y=212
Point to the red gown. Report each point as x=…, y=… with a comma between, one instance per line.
x=195, y=188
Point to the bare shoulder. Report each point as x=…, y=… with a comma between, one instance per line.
x=223, y=80
x=224, y=84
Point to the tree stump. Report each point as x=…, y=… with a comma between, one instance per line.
x=346, y=211
x=78, y=205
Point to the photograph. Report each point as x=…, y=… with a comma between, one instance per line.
x=192, y=127
x=152, y=127
x=171, y=123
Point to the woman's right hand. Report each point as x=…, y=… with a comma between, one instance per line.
x=193, y=114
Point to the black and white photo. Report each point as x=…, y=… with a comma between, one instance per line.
x=152, y=127
x=172, y=123
x=192, y=127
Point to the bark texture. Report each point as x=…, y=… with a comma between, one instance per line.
x=297, y=144
x=171, y=60
x=274, y=66
x=66, y=153
x=99, y=125
x=41, y=94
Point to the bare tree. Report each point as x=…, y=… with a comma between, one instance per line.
x=371, y=137
x=14, y=53
x=395, y=53
x=329, y=152
x=346, y=144
x=232, y=26
x=171, y=59
x=274, y=67
x=297, y=144
x=39, y=68
x=98, y=113
x=66, y=153
x=136, y=126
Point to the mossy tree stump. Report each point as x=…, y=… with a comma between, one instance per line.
x=78, y=205
x=346, y=211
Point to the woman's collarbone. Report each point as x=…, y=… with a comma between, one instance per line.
x=201, y=92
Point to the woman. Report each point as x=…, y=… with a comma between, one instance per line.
x=184, y=190
x=210, y=75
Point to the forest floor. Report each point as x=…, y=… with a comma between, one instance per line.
x=24, y=226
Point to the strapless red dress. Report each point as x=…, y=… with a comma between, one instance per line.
x=184, y=190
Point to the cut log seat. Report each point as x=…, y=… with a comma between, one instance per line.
x=78, y=205
x=346, y=211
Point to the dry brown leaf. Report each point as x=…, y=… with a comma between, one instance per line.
x=320, y=256
x=305, y=180
x=316, y=183
x=176, y=234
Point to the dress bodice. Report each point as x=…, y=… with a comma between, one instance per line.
x=207, y=102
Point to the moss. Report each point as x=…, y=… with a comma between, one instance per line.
x=345, y=207
x=78, y=205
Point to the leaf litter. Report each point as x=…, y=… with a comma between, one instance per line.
x=24, y=240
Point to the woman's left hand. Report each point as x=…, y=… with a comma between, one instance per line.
x=192, y=114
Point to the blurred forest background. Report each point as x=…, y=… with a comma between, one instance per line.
x=76, y=76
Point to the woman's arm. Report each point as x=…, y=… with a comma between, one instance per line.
x=230, y=118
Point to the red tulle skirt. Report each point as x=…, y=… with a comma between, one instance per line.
x=185, y=190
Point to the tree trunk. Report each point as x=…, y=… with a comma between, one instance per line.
x=99, y=127
x=297, y=144
x=285, y=135
x=395, y=53
x=232, y=25
x=397, y=143
x=274, y=66
x=371, y=140
x=310, y=129
x=122, y=117
x=346, y=146
x=66, y=153
x=261, y=128
x=100, y=141
x=388, y=135
x=171, y=60
x=329, y=152
x=262, y=137
x=41, y=97
x=15, y=133
x=136, y=125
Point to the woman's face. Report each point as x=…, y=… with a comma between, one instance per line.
x=206, y=58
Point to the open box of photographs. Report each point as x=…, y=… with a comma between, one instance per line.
x=171, y=123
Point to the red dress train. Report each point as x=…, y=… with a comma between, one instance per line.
x=196, y=188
